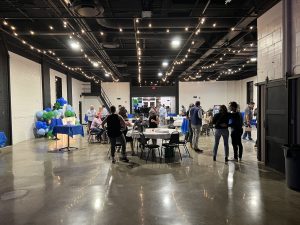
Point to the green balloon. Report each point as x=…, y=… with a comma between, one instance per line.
x=68, y=113
x=51, y=115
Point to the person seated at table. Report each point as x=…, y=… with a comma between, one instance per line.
x=96, y=127
x=153, y=123
x=140, y=124
x=115, y=123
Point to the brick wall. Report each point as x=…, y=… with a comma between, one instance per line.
x=269, y=34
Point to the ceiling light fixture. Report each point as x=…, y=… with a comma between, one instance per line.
x=175, y=42
x=165, y=63
x=75, y=45
x=95, y=64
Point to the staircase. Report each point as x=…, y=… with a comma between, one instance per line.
x=104, y=98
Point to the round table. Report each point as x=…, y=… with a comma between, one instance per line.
x=156, y=133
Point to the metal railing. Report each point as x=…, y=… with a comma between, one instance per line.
x=104, y=98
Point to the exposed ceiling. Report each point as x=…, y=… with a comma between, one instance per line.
x=217, y=37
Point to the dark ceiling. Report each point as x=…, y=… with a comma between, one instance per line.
x=218, y=37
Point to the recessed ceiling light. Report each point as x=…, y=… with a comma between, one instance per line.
x=159, y=74
x=95, y=64
x=75, y=45
x=165, y=63
x=175, y=42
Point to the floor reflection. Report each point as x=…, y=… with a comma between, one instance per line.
x=83, y=187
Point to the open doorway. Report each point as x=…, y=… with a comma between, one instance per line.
x=143, y=104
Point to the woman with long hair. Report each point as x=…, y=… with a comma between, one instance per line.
x=221, y=121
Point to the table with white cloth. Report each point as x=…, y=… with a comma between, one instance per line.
x=153, y=133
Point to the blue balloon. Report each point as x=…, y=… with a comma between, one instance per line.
x=39, y=114
x=48, y=109
x=41, y=132
x=61, y=101
x=39, y=124
x=46, y=130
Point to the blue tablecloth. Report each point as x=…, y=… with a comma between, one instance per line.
x=70, y=130
x=3, y=139
x=55, y=122
x=185, y=126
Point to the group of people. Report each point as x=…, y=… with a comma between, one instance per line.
x=116, y=126
x=222, y=121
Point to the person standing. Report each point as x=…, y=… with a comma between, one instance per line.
x=196, y=123
x=91, y=114
x=115, y=124
x=162, y=114
x=236, y=131
x=221, y=121
x=247, y=121
x=189, y=136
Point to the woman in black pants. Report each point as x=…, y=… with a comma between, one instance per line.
x=236, y=131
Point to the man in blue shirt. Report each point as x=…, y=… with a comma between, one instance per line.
x=247, y=121
x=196, y=122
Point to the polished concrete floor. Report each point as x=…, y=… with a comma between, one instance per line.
x=83, y=187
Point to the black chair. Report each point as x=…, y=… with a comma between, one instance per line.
x=173, y=143
x=151, y=147
x=118, y=147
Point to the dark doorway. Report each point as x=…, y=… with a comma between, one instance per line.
x=58, y=87
x=5, y=111
x=249, y=91
x=276, y=123
x=80, y=111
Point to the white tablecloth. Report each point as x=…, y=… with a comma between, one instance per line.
x=157, y=133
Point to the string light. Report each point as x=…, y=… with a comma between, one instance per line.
x=31, y=32
x=101, y=33
x=5, y=23
x=51, y=28
x=186, y=29
x=167, y=30
x=214, y=25
x=13, y=28
x=82, y=31
x=150, y=25
x=120, y=29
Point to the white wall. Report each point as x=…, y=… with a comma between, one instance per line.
x=53, y=74
x=296, y=34
x=269, y=34
x=77, y=89
x=115, y=90
x=26, y=96
x=208, y=93
x=216, y=93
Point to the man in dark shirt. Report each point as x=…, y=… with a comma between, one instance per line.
x=115, y=123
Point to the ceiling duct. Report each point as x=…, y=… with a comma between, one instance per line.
x=87, y=8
